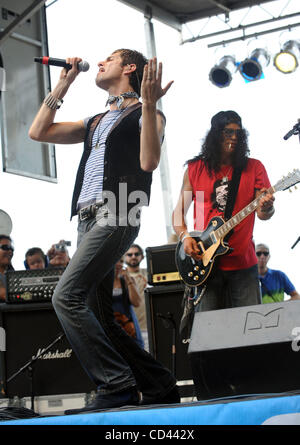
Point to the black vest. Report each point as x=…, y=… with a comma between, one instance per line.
x=122, y=170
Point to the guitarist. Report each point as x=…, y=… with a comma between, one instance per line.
x=234, y=280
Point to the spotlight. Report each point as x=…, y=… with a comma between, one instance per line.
x=221, y=74
x=286, y=61
x=252, y=68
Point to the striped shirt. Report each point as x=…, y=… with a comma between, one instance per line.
x=92, y=186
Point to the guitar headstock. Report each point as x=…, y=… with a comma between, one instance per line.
x=288, y=181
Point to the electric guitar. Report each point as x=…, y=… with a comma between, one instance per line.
x=211, y=241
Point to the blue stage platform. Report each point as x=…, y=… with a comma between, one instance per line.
x=263, y=409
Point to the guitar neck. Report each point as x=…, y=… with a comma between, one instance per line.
x=242, y=214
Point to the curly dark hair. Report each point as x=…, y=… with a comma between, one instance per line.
x=211, y=148
x=131, y=56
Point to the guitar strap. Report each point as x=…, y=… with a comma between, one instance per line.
x=233, y=189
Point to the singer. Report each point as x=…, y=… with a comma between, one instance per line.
x=122, y=147
x=222, y=167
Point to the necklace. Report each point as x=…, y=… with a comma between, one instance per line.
x=110, y=123
x=120, y=99
x=225, y=177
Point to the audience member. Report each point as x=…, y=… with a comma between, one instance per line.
x=133, y=258
x=58, y=254
x=35, y=259
x=6, y=254
x=274, y=283
x=125, y=296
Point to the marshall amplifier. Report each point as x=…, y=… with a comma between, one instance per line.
x=161, y=266
x=32, y=285
x=32, y=332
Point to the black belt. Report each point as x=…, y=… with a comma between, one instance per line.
x=89, y=211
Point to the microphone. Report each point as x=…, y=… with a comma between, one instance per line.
x=81, y=66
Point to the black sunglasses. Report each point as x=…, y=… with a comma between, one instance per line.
x=262, y=253
x=133, y=254
x=6, y=247
x=228, y=132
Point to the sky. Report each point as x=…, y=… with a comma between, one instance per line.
x=269, y=108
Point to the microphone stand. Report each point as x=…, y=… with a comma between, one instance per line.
x=296, y=242
x=169, y=323
x=30, y=367
x=294, y=130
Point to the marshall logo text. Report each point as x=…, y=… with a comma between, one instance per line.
x=52, y=355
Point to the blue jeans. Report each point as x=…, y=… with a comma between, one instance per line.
x=231, y=288
x=83, y=304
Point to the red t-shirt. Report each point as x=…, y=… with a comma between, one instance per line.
x=211, y=202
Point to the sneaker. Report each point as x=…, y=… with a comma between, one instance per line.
x=127, y=397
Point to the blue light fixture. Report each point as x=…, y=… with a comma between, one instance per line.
x=252, y=68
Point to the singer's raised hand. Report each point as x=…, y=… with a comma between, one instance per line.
x=43, y=127
x=151, y=89
x=71, y=74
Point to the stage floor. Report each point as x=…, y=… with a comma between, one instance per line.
x=253, y=410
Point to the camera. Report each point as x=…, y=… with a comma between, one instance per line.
x=61, y=246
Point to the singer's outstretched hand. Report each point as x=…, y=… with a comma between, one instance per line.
x=151, y=89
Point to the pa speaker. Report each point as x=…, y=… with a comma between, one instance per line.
x=246, y=350
x=26, y=331
x=164, y=311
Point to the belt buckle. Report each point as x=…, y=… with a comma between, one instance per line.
x=84, y=213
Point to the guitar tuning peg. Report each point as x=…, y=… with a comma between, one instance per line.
x=290, y=190
x=296, y=188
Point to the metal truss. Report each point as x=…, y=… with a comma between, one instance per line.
x=27, y=13
x=244, y=31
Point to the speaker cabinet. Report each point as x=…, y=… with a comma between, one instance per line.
x=164, y=311
x=246, y=350
x=26, y=330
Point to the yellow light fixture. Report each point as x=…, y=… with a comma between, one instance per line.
x=286, y=61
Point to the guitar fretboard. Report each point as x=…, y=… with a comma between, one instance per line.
x=242, y=214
